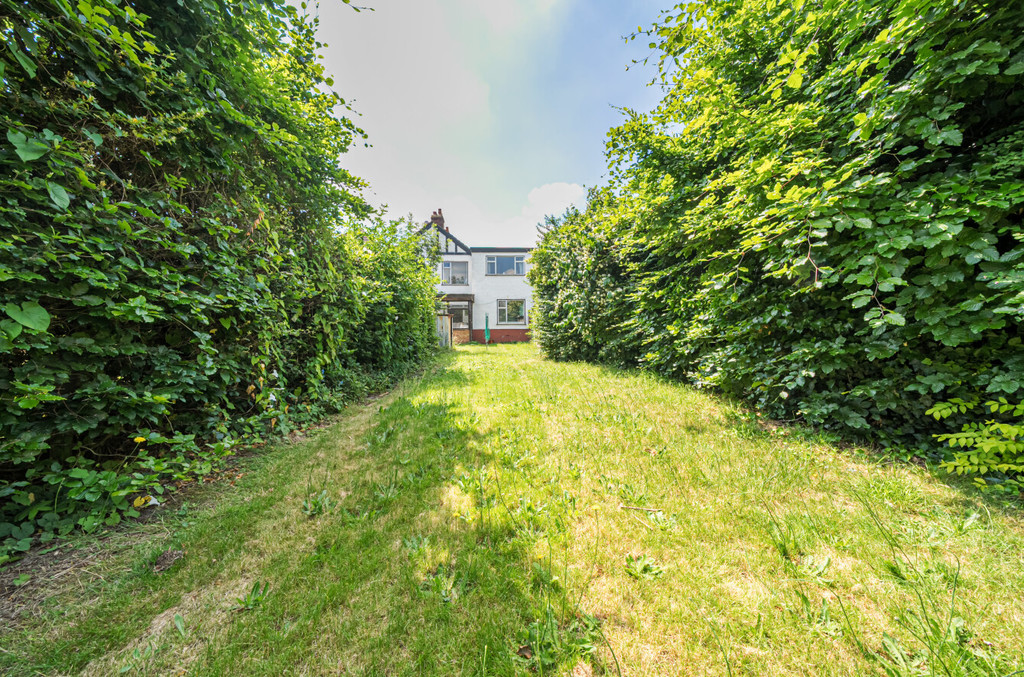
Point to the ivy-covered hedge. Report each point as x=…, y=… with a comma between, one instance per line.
x=823, y=215
x=184, y=263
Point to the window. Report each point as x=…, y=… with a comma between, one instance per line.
x=455, y=272
x=511, y=311
x=506, y=265
x=460, y=315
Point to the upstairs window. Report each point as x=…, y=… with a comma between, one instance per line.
x=511, y=311
x=506, y=265
x=455, y=272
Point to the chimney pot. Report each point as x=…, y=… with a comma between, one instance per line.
x=437, y=219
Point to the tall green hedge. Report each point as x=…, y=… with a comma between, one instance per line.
x=822, y=216
x=183, y=261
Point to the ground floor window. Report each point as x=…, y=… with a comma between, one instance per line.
x=460, y=315
x=511, y=311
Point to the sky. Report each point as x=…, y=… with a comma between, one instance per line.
x=495, y=111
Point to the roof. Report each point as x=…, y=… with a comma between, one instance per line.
x=517, y=250
x=466, y=248
x=459, y=244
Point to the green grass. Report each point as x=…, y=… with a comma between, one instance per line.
x=509, y=515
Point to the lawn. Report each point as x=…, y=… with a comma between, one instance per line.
x=504, y=514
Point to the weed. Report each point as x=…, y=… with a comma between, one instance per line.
x=662, y=521
x=387, y=491
x=383, y=435
x=820, y=619
x=632, y=495
x=139, y=657
x=417, y=475
x=443, y=584
x=900, y=571
x=545, y=579
x=933, y=622
x=318, y=504
x=642, y=566
x=545, y=643
x=416, y=544
x=815, y=567
x=785, y=540
x=946, y=651
x=254, y=598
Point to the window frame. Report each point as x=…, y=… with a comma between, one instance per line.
x=503, y=306
x=460, y=306
x=518, y=265
x=446, y=267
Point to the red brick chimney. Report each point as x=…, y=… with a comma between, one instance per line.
x=437, y=219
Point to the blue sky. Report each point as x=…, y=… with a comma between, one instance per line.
x=494, y=110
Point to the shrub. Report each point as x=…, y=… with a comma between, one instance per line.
x=992, y=451
x=179, y=252
x=823, y=216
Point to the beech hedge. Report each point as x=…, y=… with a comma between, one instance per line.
x=823, y=216
x=184, y=264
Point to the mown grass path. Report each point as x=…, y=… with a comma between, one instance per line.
x=509, y=515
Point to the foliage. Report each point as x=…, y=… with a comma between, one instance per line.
x=254, y=598
x=580, y=278
x=547, y=643
x=642, y=566
x=822, y=216
x=183, y=259
x=318, y=504
x=397, y=328
x=993, y=450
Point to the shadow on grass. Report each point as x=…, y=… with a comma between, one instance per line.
x=409, y=569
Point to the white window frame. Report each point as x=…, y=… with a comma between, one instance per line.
x=446, y=273
x=518, y=265
x=503, y=309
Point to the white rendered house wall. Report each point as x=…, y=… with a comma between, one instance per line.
x=488, y=290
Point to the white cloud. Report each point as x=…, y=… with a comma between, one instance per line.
x=553, y=198
x=475, y=106
x=508, y=17
x=405, y=72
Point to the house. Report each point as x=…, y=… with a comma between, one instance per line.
x=482, y=287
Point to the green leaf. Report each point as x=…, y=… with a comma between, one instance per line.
x=26, y=148
x=30, y=314
x=795, y=79
x=12, y=329
x=58, y=195
x=26, y=63
x=1015, y=69
x=895, y=318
